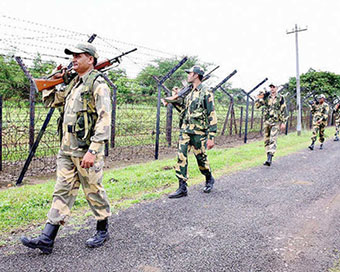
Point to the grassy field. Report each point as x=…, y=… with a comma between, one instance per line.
x=135, y=126
x=23, y=206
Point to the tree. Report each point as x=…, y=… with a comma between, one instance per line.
x=160, y=69
x=316, y=82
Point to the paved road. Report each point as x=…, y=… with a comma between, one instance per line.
x=282, y=218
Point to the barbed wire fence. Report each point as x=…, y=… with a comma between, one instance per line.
x=135, y=127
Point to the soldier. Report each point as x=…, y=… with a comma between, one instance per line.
x=274, y=112
x=198, y=126
x=336, y=111
x=319, y=110
x=84, y=126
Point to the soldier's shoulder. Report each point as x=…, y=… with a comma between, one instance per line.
x=99, y=81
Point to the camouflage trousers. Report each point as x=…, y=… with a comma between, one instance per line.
x=270, y=131
x=337, y=126
x=199, y=145
x=318, y=129
x=69, y=177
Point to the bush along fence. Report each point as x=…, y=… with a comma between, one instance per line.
x=139, y=130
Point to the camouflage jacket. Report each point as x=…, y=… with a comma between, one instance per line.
x=274, y=109
x=320, y=113
x=71, y=102
x=197, y=113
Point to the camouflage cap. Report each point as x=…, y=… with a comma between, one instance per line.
x=196, y=69
x=321, y=96
x=82, y=48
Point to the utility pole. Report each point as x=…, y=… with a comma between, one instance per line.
x=296, y=30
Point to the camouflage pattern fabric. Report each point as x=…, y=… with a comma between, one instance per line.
x=336, y=111
x=318, y=130
x=69, y=177
x=270, y=137
x=274, y=112
x=71, y=99
x=69, y=173
x=274, y=109
x=197, y=113
x=199, y=145
x=320, y=117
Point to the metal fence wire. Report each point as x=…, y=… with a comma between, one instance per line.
x=134, y=131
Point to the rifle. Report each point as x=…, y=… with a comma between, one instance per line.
x=103, y=66
x=184, y=91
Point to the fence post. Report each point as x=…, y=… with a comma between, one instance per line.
x=226, y=120
x=261, y=129
x=160, y=86
x=35, y=146
x=31, y=100
x=114, y=109
x=252, y=115
x=169, y=113
x=241, y=118
x=247, y=107
x=291, y=119
x=0, y=132
x=158, y=121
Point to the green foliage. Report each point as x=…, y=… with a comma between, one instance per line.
x=13, y=82
x=160, y=69
x=317, y=82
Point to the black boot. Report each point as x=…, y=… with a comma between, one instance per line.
x=181, y=191
x=336, y=139
x=268, y=162
x=209, y=183
x=311, y=147
x=321, y=146
x=101, y=235
x=44, y=241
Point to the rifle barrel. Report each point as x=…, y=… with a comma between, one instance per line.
x=115, y=59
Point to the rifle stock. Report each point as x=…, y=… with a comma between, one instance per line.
x=44, y=84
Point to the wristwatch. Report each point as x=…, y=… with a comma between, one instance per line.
x=93, y=152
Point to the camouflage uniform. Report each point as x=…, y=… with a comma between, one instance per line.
x=198, y=123
x=336, y=111
x=84, y=126
x=274, y=111
x=320, y=117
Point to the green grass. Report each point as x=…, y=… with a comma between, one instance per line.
x=23, y=206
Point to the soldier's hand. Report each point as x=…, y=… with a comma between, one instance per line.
x=59, y=73
x=164, y=102
x=88, y=160
x=175, y=90
x=283, y=127
x=210, y=144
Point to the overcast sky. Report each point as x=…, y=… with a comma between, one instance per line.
x=247, y=35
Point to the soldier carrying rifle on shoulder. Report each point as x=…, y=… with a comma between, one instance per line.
x=336, y=111
x=198, y=126
x=83, y=127
x=274, y=112
x=319, y=110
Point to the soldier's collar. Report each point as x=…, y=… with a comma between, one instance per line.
x=199, y=87
x=85, y=76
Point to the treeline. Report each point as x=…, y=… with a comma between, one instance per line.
x=14, y=84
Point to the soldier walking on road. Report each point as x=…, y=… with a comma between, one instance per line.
x=319, y=110
x=84, y=126
x=336, y=111
x=198, y=126
x=274, y=112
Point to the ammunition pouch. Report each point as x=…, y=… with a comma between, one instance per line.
x=84, y=128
